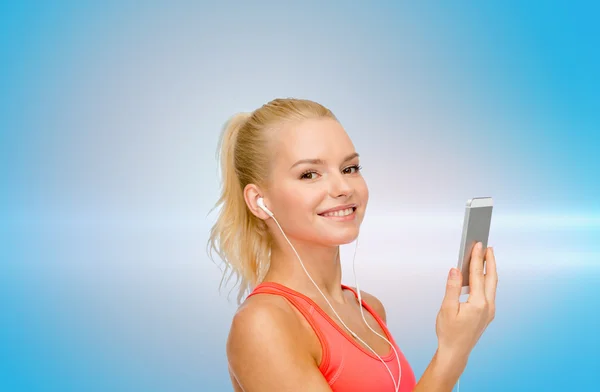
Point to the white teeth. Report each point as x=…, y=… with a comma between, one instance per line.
x=345, y=212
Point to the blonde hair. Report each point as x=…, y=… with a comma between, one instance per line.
x=240, y=239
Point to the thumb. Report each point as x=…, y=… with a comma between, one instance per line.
x=453, y=288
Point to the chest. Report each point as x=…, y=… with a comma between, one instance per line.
x=368, y=333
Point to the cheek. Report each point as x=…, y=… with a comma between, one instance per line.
x=309, y=200
x=297, y=214
x=362, y=190
x=366, y=193
x=297, y=203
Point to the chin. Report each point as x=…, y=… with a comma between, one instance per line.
x=340, y=239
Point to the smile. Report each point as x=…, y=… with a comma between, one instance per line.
x=345, y=214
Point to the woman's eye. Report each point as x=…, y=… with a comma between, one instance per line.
x=309, y=175
x=352, y=169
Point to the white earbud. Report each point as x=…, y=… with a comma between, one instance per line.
x=261, y=204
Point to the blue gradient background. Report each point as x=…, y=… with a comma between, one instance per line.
x=110, y=116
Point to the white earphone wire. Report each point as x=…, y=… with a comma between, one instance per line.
x=365, y=320
x=396, y=385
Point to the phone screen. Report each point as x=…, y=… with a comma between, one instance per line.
x=478, y=220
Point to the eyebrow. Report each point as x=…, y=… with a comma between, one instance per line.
x=317, y=161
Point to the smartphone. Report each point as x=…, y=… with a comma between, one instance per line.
x=476, y=228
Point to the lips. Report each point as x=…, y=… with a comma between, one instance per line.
x=338, y=210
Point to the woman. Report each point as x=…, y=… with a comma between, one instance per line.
x=292, y=194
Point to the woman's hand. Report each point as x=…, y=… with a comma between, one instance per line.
x=460, y=325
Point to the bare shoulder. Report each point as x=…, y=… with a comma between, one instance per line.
x=265, y=348
x=373, y=302
x=258, y=321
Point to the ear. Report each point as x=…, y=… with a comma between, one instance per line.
x=251, y=194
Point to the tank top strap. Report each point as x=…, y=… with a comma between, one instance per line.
x=304, y=307
x=364, y=303
x=373, y=313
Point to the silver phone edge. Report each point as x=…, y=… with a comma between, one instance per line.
x=463, y=240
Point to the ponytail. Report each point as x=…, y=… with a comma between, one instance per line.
x=238, y=237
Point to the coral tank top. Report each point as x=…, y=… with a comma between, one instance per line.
x=346, y=364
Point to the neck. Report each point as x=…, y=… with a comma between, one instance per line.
x=322, y=263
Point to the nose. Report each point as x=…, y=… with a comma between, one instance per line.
x=339, y=186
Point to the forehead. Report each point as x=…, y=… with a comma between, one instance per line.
x=322, y=138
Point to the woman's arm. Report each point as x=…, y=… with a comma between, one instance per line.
x=267, y=352
x=442, y=373
x=460, y=325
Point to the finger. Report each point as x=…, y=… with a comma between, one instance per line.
x=453, y=286
x=491, y=275
x=476, y=278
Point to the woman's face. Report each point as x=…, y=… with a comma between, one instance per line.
x=316, y=170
